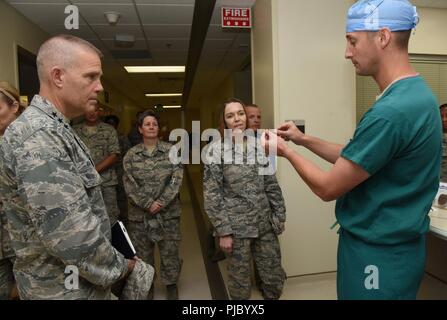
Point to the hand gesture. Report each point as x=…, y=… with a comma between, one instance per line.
x=289, y=131
x=273, y=144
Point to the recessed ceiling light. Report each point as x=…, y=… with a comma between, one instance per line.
x=172, y=107
x=154, y=69
x=153, y=95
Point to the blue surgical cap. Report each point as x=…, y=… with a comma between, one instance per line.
x=373, y=15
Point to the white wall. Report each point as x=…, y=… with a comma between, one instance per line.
x=306, y=77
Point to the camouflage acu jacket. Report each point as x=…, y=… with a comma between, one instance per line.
x=150, y=177
x=55, y=213
x=101, y=144
x=237, y=199
x=5, y=243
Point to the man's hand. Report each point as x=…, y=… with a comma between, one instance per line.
x=108, y=162
x=274, y=144
x=131, y=265
x=226, y=243
x=155, y=207
x=289, y=131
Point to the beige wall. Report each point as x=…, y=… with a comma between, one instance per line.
x=430, y=36
x=16, y=30
x=306, y=77
x=263, y=63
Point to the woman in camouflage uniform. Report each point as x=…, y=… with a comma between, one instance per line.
x=152, y=184
x=10, y=109
x=246, y=208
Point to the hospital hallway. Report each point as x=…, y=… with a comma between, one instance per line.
x=202, y=279
x=182, y=60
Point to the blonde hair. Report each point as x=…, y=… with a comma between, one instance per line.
x=10, y=94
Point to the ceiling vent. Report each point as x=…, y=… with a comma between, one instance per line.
x=124, y=41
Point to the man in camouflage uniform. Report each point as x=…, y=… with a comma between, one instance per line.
x=134, y=135
x=124, y=147
x=101, y=140
x=149, y=177
x=56, y=217
x=443, y=110
x=250, y=208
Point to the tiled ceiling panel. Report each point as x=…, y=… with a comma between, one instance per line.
x=162, y=2
x=94, y=13
x=158, y=31
x=174, y=44
x=109, y=32
x=165, y=31
x=83, y=32
x=102, y=2
x=171, y=57
x=166, y=14
x=13, y=2
x=42, y=14
x=140, y=44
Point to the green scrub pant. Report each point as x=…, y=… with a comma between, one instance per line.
x=371, y=271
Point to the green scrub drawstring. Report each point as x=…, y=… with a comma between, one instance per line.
x=334, y=225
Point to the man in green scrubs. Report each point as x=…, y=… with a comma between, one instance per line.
x=385, y=178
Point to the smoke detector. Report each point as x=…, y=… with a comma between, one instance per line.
x=112, y=17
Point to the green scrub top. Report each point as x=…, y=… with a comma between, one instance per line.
x=399, y=143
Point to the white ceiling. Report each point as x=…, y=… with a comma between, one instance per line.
x=161, y=28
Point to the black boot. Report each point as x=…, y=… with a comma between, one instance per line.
x=172, y=292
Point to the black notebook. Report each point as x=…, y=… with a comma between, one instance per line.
x=121, y=240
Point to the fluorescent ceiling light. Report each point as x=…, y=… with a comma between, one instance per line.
x=154, y=69
x=153, y=95
x=172, y=107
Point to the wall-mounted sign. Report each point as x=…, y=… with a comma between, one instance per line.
x=236, y=17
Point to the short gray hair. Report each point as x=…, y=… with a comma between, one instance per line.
x=58, y=50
